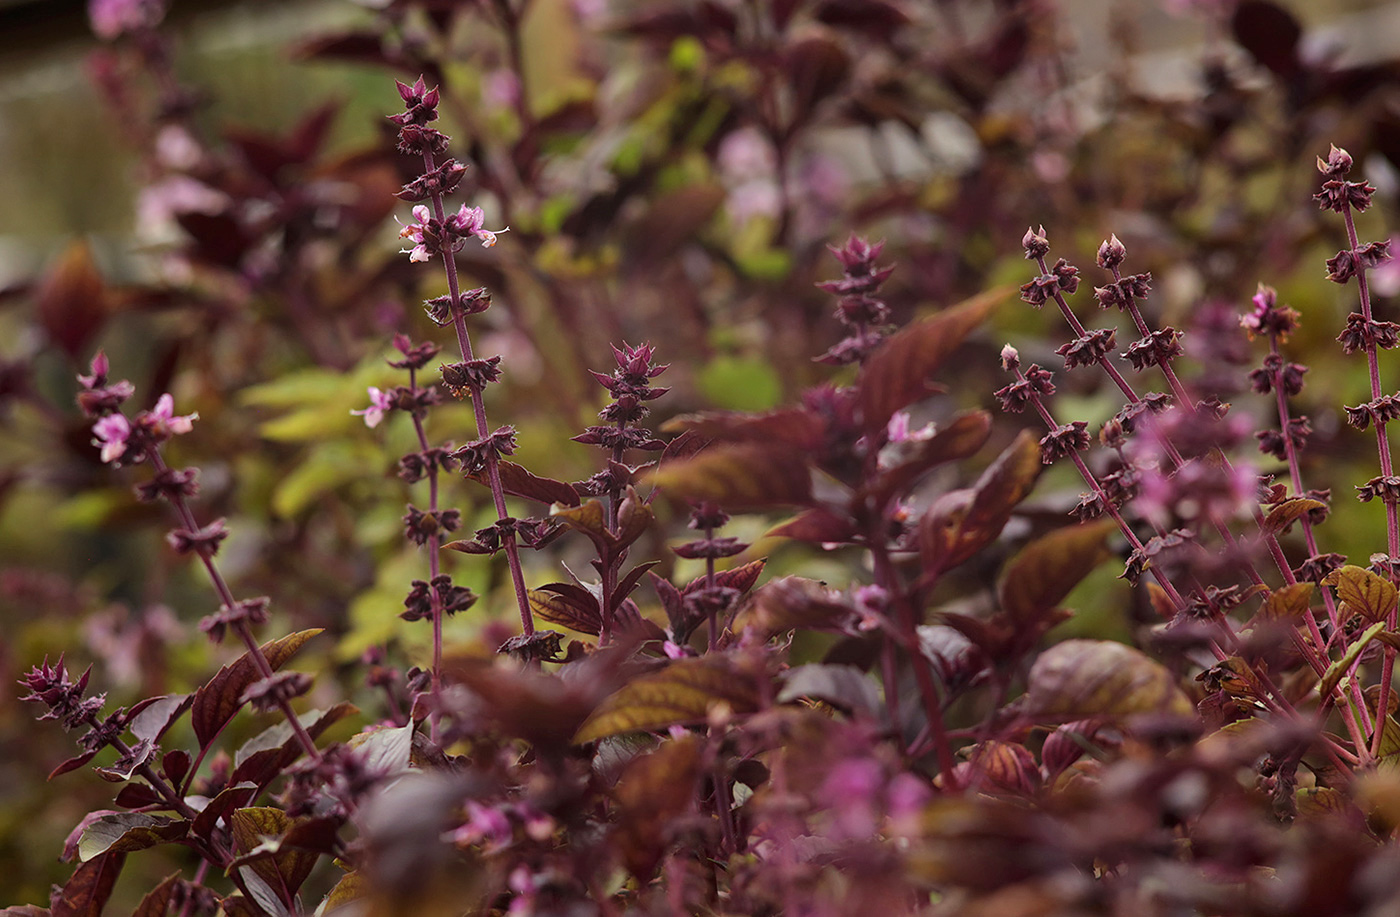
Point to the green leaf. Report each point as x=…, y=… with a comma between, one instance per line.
x=325, y=467
x=1044, y=571
x=682, y=693
x=128, y=831
x=1371, y=596
x=1077, y=679
x=216, y=702
x=898, y=372
x=739, y=383
x=1335, y=672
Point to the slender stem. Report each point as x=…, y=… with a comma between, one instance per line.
x=241, y=628
x=434, y=544
x=493, y=471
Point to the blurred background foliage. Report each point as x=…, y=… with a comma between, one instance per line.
x=219, y=222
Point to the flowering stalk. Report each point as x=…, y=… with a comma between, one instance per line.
x=1364, y=332
x=437, y=233
x=138, y=440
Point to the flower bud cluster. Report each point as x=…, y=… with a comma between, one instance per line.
x=865, y=316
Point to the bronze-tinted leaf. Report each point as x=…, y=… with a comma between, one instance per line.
x=1287, y=603
x=257, y=836
x=652, y=790
x=156, y=902
x=671, y=220
x=590, y=518
x=903, y=463
x=1000, y=767
x=1337, y=670
x=792, y=603
x=127, y=832
x=87, y=890
x=216, y=702
x=1369, y=595
x=740, y=476
x=351, y=888
x=898, y=372
x=634, y=517
x=519, y=481
x=1044, y=571
x=29, y=910
x=682, y=693
x=1288, y=512
x=1270, y=34
x=566, y=608
x=73, y=301
x=1084, y=678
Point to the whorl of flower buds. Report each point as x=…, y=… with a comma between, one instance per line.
x=630, y=386
x=865, y=316
x=51, y=686
x=1337, y=194
x=1035, y=243
x=1111, y=253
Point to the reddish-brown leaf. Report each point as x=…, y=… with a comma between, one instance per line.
x=909, y=460
x=127, y=832
x=899, y=371
x=740, y=476
x=216, y=702
x=960, y=524
x=796, y=427
x=1044, y=571
x=156, y=902
x=817, y=526
x=87, y=890
x=519, y=481
x=1287, y=602
x=1288, y=512
x=652, y=790
x=793, y=603
x=73, y=301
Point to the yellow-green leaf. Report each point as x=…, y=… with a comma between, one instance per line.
x=1083, y=678
x=683, y=692
x=1336, y=670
